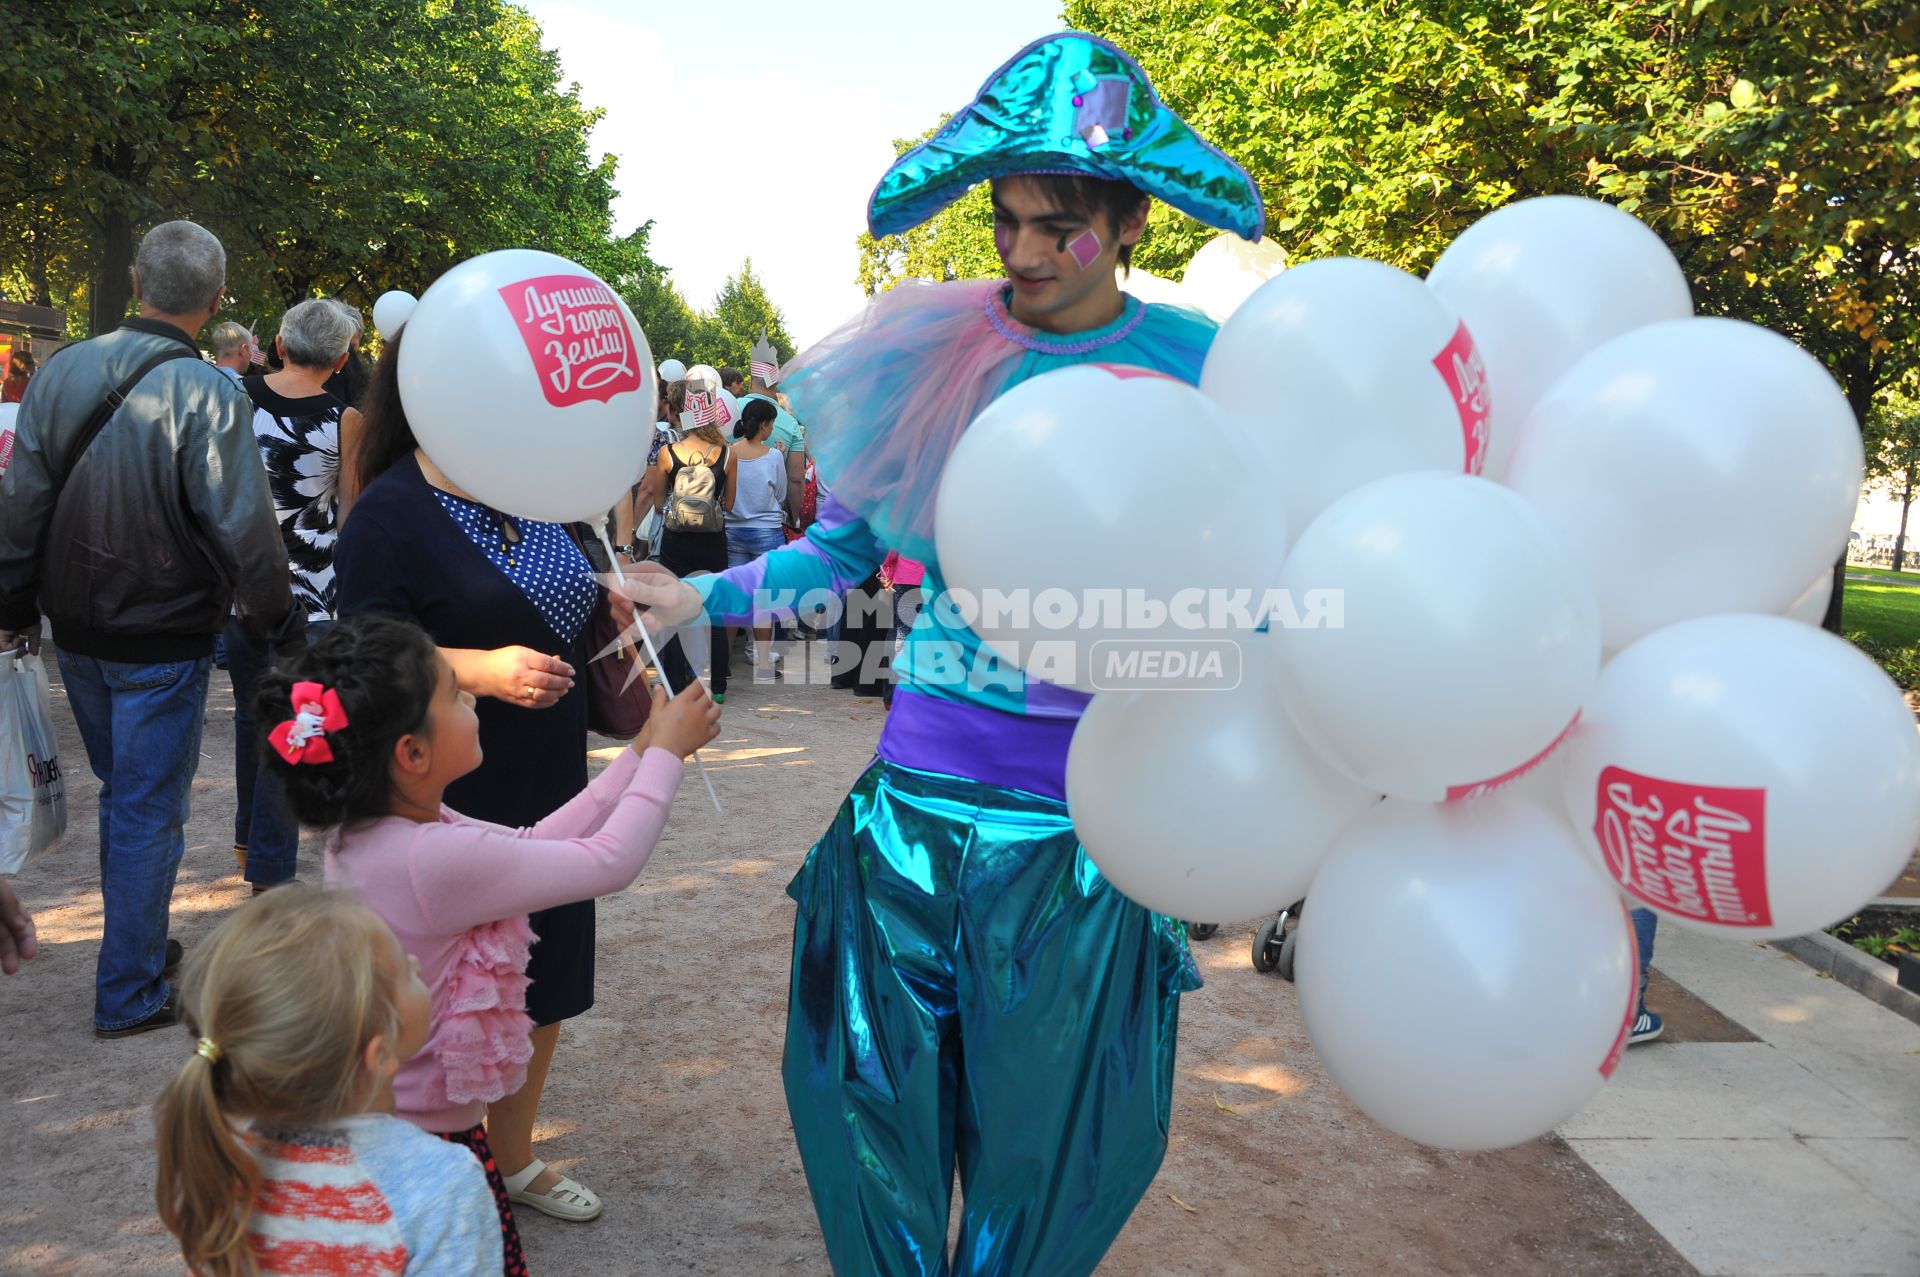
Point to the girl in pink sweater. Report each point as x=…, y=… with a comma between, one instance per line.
x=371, y=730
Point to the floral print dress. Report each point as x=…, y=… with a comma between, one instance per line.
x=300, y=444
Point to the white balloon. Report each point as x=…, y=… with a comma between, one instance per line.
x=1811, y=607
x=703, y=377
x=672, y=370
x=528, y=381
x=1055, y=502
x=390, y=312
x=1543, y=281
x=1695, y=467
x=1204, y=805
x=1346, y=370
x=1464, y=974
x=1227, y=270
x=1467, y=638
x=1746, y=775
x=1149, y=287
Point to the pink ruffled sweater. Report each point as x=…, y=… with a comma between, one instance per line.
x=458, y=892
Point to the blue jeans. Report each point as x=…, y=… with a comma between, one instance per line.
x=1644, y=921
x=141, y=726
x=744, y=545
x=261, y=822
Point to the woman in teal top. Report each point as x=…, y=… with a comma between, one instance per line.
x=967, y=992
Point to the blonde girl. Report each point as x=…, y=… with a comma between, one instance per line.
x=278, y=1149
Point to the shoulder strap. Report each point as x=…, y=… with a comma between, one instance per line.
x=111, y=404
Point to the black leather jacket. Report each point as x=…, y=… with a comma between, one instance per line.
x=165, y=524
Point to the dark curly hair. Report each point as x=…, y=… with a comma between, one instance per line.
x=385, y=671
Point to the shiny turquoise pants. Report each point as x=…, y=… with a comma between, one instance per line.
x=969, y=994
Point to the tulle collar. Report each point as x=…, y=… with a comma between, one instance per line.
x=1131, y=313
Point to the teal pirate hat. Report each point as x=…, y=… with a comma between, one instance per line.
x=1069, y=104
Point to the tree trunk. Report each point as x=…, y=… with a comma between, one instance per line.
x=1831, y=623
x=1859, y=377
x=1900, y=539
x=113, y=251
x=112, y=286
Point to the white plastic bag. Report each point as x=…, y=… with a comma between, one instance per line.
x=33, y=796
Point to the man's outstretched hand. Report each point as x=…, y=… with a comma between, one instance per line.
x=668, y=601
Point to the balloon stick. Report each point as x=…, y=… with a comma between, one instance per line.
x=653, y=655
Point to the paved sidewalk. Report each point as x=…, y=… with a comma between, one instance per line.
x=1796, y=1153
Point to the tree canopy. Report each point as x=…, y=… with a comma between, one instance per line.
x=1774, y=146
x=334, y=148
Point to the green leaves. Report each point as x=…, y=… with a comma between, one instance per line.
x=339, y=148
x=1790, y=133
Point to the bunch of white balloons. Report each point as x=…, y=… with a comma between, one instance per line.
x=1562, y=516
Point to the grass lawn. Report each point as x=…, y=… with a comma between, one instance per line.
x=1885, y=613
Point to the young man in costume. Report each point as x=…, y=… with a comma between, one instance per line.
x=967, y=991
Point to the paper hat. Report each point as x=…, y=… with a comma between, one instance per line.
x=763, y=361
x=1069, y=104
x=699, y=407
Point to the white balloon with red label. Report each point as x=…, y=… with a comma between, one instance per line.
x=1056, y=542
x=1543, y=281
x=1746, y=776
x=1463, y=973
x=1695, y=467
x=1205, y=805
x=529, y=383
x=1344, y=370
x=1467, y=638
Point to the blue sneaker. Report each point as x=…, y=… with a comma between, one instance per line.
x=1646, y=1027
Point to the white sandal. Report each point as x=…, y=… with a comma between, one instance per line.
x=568, y=1200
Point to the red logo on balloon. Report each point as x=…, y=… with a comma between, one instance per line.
x=1480, y=789
x=1612, y=1062
x=1696, y=851
x=1460, y=367
x=1127, y=372
x=582, y=346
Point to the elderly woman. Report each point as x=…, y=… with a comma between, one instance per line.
x=508, y=601
x=300, y=428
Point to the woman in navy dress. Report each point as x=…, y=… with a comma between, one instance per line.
x=508, y=601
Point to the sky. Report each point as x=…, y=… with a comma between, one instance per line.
x=759, y=127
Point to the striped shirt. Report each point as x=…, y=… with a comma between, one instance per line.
x=370, y=1195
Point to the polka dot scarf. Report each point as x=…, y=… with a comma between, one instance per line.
x=544, y=563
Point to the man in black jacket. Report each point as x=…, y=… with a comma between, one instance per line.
x=135, y=542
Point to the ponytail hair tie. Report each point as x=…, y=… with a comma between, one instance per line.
x=303, y=738
x=208, y=1050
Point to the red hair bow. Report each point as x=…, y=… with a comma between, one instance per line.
x=303, y=738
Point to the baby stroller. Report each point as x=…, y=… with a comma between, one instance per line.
x=1273, y=943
